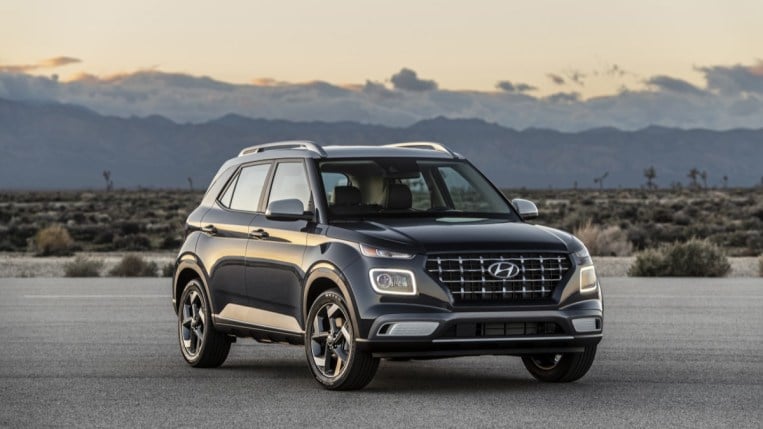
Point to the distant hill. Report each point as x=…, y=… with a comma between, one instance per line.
x=56, y=146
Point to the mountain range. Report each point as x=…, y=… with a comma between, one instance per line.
x=61, y=146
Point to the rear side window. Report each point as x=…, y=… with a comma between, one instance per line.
x=228, y=194
x=246, y=189
x=290, y=181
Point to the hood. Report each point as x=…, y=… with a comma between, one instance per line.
x=452, y=234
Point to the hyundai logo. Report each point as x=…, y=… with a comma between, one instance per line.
x=503, y=270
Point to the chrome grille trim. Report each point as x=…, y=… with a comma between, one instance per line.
x=468, y=279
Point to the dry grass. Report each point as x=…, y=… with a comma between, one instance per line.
x=694, y=258
x=82, y=266
x=53, y=241
x=134, y=266
x=609, y=241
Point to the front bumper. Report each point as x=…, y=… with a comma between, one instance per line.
x=480, y=333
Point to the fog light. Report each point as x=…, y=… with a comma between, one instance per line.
x=587, y=279
x=393, y=282
x=586, y=324
x=408, y=329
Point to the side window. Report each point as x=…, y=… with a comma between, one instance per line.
x=290, y=181
x=225, y=198
x=248, y=189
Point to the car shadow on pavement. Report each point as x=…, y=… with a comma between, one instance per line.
x=417, y=376
x=410, y=376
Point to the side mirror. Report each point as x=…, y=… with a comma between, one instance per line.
x=290, y=209
x=527, y=209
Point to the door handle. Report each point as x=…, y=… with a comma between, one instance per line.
x=209, y=229
x=258, y=233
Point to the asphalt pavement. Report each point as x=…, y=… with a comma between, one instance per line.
x=103, y=352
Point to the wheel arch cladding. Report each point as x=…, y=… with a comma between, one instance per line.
x=321, y=278
x=185, y=275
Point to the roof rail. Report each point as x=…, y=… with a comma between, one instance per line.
x=426, y=145
x=291, y=144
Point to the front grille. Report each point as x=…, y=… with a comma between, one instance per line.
x=501, y=329
x=469, y=280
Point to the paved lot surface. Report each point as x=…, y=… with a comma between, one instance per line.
x=102, y=352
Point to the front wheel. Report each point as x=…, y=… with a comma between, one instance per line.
x=563, y=367
x=332, y=353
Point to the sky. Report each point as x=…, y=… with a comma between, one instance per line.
x=574, y=52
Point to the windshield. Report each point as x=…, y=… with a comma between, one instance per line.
x=401, y=187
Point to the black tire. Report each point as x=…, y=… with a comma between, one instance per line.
x=200, y=344
x=562, y=368
x=330, y=338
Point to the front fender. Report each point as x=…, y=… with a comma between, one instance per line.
x=326, y=271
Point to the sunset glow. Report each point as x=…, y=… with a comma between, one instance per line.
x=595, y=47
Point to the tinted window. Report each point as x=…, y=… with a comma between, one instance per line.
x=248, y=189
x=290, y=181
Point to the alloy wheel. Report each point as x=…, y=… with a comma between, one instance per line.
x=192, y=323
x=331, y=340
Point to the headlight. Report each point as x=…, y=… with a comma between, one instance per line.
x=393, y=282
x=582, y=257
x=587, y=279
x=382, y=253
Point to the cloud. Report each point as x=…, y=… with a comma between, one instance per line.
x=577, y=77
x=268, y=81
x=377, y=89
x=58, y=62
x=731, y=98
x=407, y=80
x=735, y=80
x=667, y=83
x=44, y=64
x=507, y=86
x=615, y=71
x=555, y=78
x=564, y=97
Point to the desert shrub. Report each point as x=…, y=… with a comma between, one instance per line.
x=132, y=242
x=83, y=266
x=104, y=237
x=53, y=241
x=609, y=241
x=694, y=258
x=171, y=243
x=134, y=266
x=129, y=228
x=168, y=270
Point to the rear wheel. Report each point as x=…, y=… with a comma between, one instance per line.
x=201, y=345
x=563, y=367
x=332, y=353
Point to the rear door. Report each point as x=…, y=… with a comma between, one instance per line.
x=276, y=250
x=226, y=233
